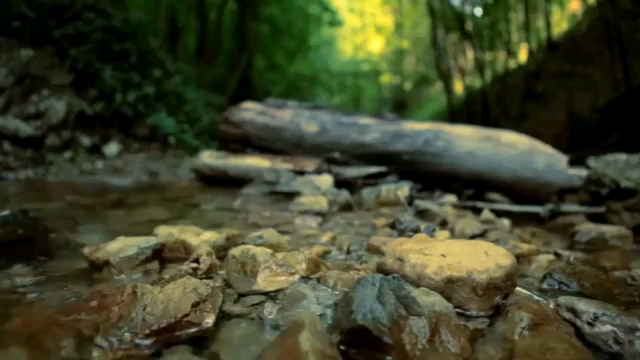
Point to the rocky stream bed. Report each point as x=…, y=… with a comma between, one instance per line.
x=298, y=267
x=110, y=249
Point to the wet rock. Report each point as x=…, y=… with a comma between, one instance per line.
x=487, y=216
x=233, y=305
x=510, y=242
x=316, y=193
x=409, y=226
x=494, y=222
x=240, y=339
x=382, y=225
x=544, y=240
x=252, y=300
x=123, y=253
x=527, y=330
x=305, y=263
x=633, y=277
x=538, y=265
x=181, y=240
x=174, y=310
x=448, y=198
x=122, y=321
x=307, y=185
x=211, y=165
x=468, y=227
x=180, y=352
x=342, y=280
x=255, y=269
x=592, y=237
x=392, y=194
x=265, y=219
x=404, y=226
x=318, y=251
x=603, y=325
x=305, y=222
x=311, y=204
x=625, y=213
x=564, y=225
x=23, y=236
x=188, y=244
x=613, y=260
x=376, y=244
x=304, y=339
x=473, y=275
x=203, y=261
x=434, y=212
x=339, y=199
x=573, y=257
x=305, y=295
x=580, y=280
x=269, y=238
x=384, y=316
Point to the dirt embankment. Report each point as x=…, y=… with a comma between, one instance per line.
x=570, y=94
x=47, y=128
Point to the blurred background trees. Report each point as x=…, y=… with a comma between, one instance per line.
x=178, y=64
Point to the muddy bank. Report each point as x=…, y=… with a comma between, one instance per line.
x=306, y=267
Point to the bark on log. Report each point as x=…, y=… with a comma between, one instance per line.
x=509, y=162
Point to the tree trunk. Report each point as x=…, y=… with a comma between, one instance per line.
x=202, y=16
x=217, y=42
x=174, y=33
x=246, y=21
x=442, y=58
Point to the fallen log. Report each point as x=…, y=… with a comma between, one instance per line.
x=541, y=210
x=503, y=160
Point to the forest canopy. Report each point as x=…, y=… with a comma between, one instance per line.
x=178, y=64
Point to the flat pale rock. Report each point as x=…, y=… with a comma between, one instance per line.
x=473, y=275
x=589, y=236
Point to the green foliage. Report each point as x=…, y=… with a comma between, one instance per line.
x=292, y=50
x=113, y=52
x=149, y=61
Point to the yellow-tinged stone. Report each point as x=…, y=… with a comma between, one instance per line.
x=421, y=237
x=257, y=269
x=318, y=204
x=474, y=275
x=382, y=222
x=123, y=252
x=303, y=263
x=247, y=259
x=442, y=235
x=191, y=234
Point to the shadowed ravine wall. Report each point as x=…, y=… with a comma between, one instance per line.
x=579, y=94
